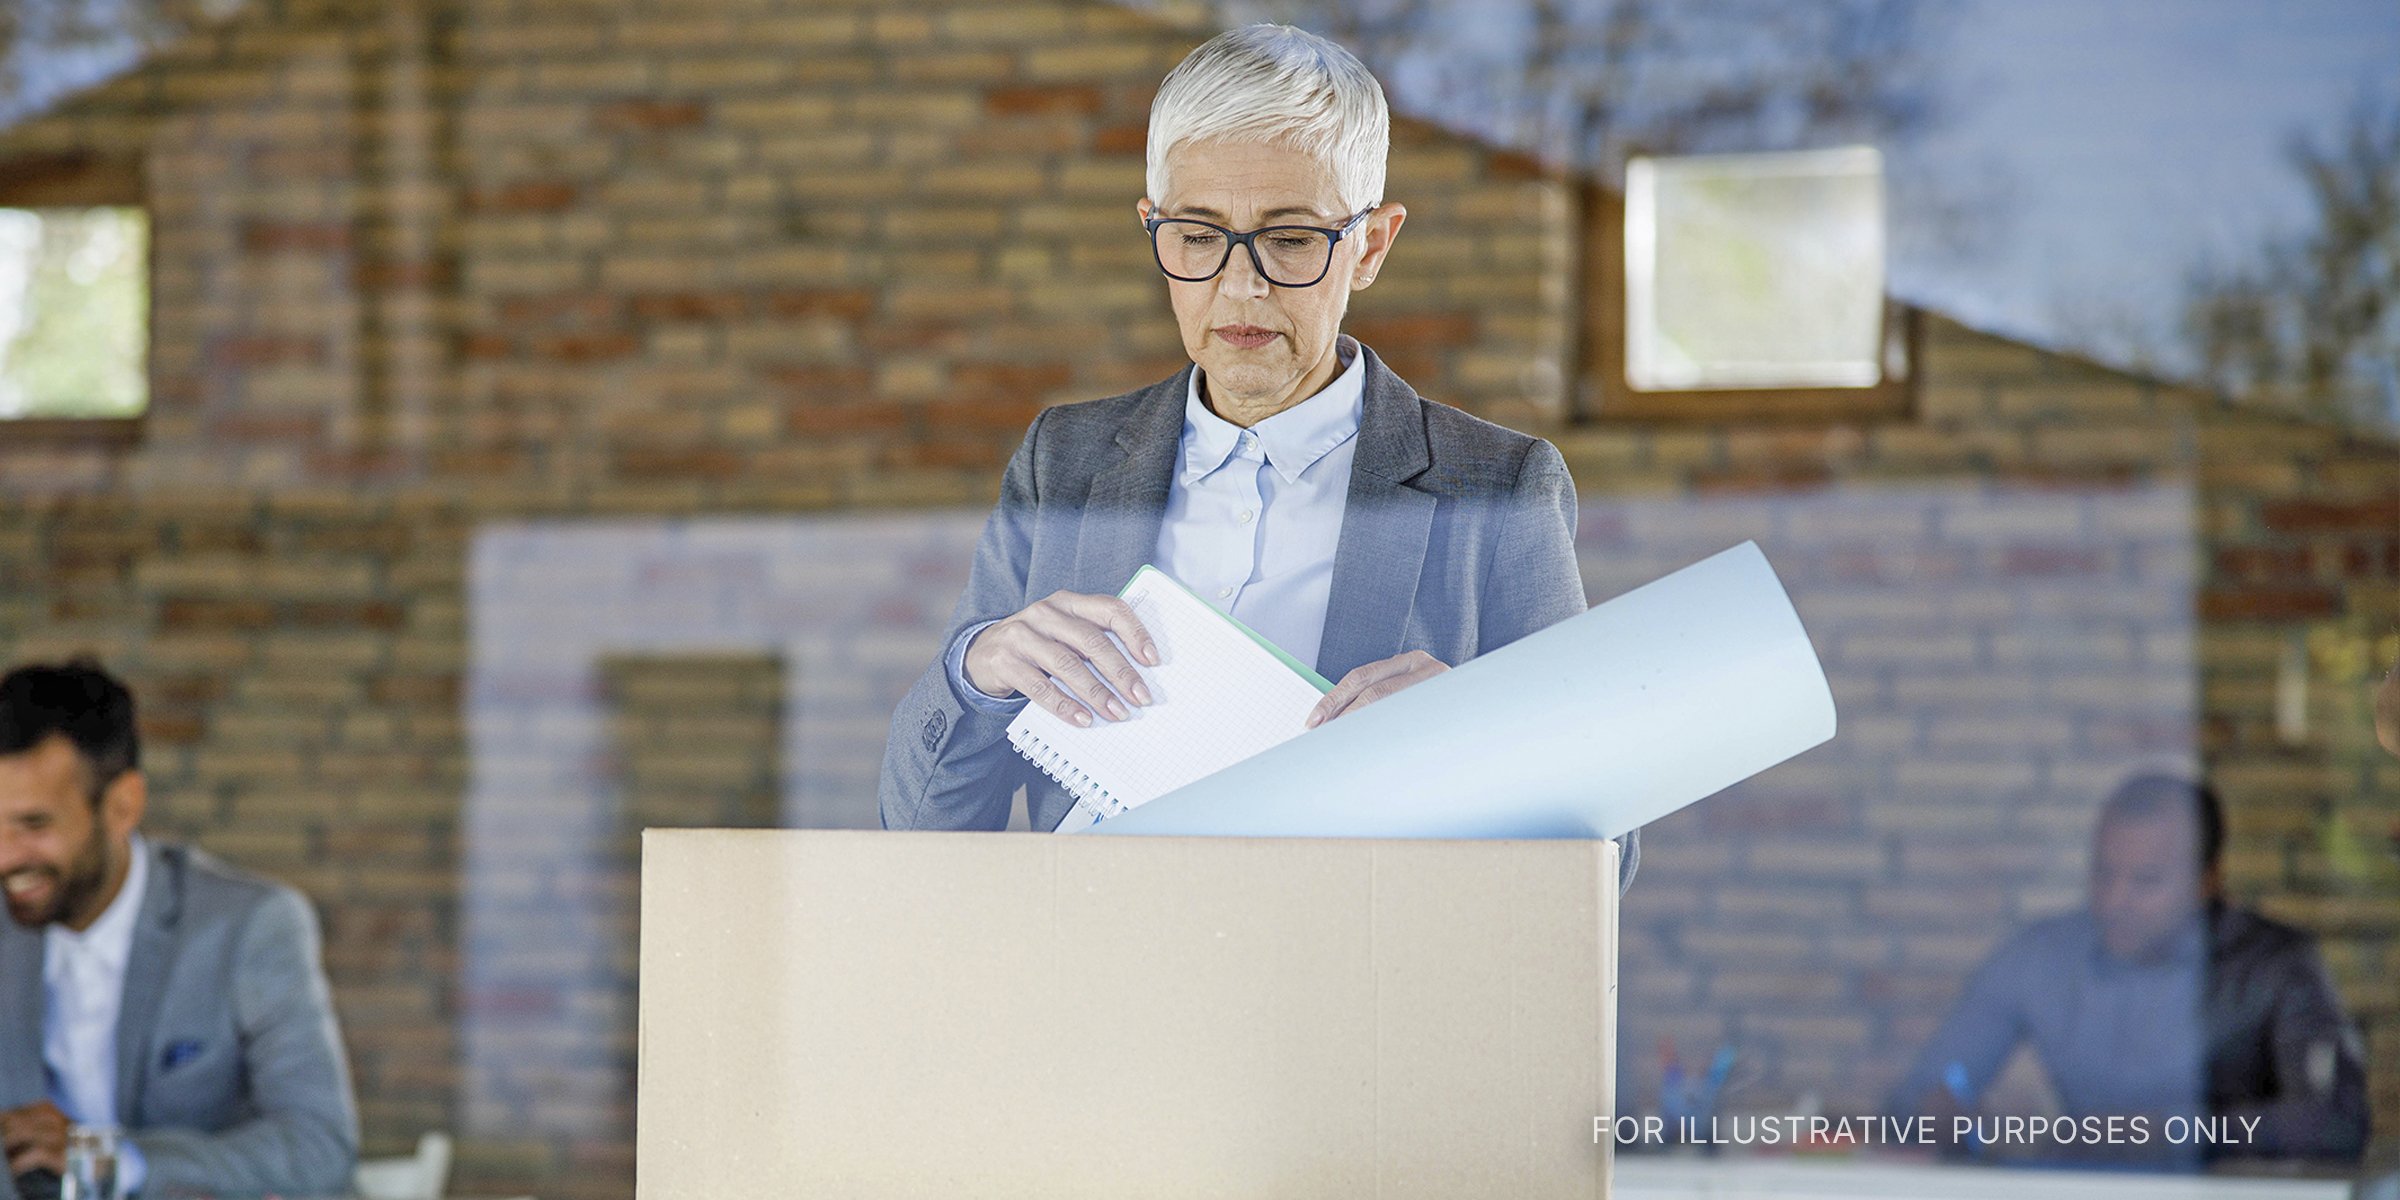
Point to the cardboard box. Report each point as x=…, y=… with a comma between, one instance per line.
x=873, y=1014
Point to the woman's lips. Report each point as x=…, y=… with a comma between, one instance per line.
x=1244, y=337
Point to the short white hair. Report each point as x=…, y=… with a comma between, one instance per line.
x=1277, y=84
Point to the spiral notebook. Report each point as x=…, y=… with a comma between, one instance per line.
x=1220, y=694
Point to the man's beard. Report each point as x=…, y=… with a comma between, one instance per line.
x=74, y=892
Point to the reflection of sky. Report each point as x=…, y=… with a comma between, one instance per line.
x=2136, y=139
x=63, y=46
x=2122, y=142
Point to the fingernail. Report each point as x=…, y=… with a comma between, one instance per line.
x=1150, y=653
x=1141, y=694
x=1083, y=718
x=1313, y=718
x=1116, y=712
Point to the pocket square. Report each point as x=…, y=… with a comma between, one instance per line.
x=179, y=1053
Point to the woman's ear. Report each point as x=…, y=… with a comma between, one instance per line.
x=1381, y=230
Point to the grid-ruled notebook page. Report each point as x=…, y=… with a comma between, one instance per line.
x=1218, y=698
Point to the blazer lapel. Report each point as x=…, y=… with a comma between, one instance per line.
x=1386, y=525
x=21, y=1003
x=1128, y=498
x=146, y=973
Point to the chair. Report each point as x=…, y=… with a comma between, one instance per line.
x=422, y=1176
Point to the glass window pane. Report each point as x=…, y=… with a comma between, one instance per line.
x=1754, y=270
x=74, y=312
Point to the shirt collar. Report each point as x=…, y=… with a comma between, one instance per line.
x=1293, y=439
x=111, y=937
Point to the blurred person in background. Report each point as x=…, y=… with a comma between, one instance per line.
x=2159, y=999
x=148, y=987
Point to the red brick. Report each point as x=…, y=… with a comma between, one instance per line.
x=951, y=453
x=264, y=350
x=550, y=308
x=2269, y=603
x=290, y=430
x=339, y=614
x=2260, y=564
x=2381, y=516
x=585, y=348
x=824, y=419
x=181, y=729
x=413, y=689
x=1514, y=165
x=649, y=116
x=820, y=384
x=671, y=464
x=949, y=419
x=269, y=237
x=690, y=306
x=1008, y=383
x=1420, y=331
x=531, y=196
x=1042, y=99
x=1785, y=477
x=361, y=464
x=183, y=689
x=916, y=337
x=2377, y=558
x=198, y=615
x=1132, y=137
x=376, y=276
x=850, y=303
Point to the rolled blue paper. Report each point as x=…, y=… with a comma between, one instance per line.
x=1595, y=726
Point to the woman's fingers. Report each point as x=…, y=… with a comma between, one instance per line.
x=1374, y=681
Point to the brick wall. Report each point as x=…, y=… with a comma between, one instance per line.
x=545, y=390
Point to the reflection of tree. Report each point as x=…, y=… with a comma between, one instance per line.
x=49, y=48
x=2316, y=322
x=1590, y=82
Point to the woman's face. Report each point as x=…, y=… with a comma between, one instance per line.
x=1265, y=348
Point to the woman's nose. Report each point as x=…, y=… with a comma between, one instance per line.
x=1241, y=276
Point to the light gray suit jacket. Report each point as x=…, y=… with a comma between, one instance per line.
x=230, y=1074
x=1458, y=537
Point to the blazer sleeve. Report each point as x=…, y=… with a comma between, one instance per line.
x=947, y=763
x=304, y=1137
x=1532, y=580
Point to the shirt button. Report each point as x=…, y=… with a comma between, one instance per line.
x=1246, y=515
x=1224, y=593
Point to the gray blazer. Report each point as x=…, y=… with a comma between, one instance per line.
x=230, y=1075
x=1458, y=537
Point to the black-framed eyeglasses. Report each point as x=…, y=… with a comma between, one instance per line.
x=1292, y=256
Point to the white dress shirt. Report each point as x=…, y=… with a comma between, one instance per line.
x=85, y=977
x=1253, y=517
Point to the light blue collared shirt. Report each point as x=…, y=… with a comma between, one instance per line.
x=1253, y=517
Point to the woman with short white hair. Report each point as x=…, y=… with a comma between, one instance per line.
x=1287, y=476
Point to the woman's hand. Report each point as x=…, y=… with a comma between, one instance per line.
x=1374, y=681
x=1056, y=651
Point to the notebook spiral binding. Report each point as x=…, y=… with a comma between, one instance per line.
x=1079, y=785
